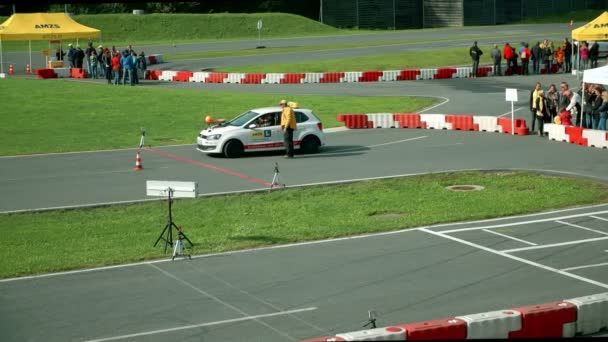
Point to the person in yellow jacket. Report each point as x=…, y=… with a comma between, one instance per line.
x=288, y=125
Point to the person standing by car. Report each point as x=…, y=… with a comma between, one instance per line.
x=475, y=53
x=288, y=125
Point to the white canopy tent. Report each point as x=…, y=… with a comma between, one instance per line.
x=593, y=76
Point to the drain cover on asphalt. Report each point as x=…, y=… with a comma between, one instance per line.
x=465, y=188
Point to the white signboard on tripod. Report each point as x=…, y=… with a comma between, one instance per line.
x=511, y=95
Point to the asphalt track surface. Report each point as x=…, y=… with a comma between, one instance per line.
x=287, y=293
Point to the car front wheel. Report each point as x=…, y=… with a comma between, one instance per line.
x=233, y=149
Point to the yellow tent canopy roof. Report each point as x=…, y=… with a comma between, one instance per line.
x=595, y=30
x=44, y=26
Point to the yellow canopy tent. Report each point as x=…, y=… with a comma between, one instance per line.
x=595, y=30
x=42, y=26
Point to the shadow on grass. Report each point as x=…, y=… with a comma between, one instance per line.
x=259, y=238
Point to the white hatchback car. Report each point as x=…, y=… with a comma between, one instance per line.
x=260, y=130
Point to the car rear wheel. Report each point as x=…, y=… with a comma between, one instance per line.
x=310, y=144
x=233, y=149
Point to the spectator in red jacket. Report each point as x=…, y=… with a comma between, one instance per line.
x=509, y=54
x=116, y=68
x=565, y=117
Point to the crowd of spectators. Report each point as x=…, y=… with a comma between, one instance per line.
x=588, y=106
x=544, y=53
x=117, y=67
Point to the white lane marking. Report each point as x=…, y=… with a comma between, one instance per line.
x=377, y=145
x=509, y=113
x=584, y=266
x=599, y=218
x=581, y=227
x=305, y=243
x=193, y=326
x=523, y=222
x=206, y=294
x=436, y=105
x=261, y=300
x=510, y=237
x=512, y=257
x=559, y=244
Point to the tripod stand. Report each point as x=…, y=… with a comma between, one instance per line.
x=372, y=319
x=167, y=233
x=275, y=179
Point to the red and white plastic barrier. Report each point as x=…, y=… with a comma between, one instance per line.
x=577, y=135
x=568, y=318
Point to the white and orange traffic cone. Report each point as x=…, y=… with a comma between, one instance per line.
x=138, y=166
x=27, y=69
x=10, y=69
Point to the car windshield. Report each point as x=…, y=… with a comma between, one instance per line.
x=243, y=118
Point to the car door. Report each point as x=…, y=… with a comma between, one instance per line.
x=266, y=137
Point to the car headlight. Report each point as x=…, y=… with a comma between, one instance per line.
x=214, y=137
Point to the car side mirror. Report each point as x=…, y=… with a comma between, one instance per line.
x=253, y=126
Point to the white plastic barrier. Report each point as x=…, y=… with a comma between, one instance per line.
x=435, y=121
x=167, y=75
x=273, y=78
x=62, y=72
x=199, y=76
x=234, y=78
x=351, y=76
x=493, y=324
x=379, y=334
x=592, y=313
x=426, y=74
x=595, y=138
x=556, y=132
x=389, y=75
x=312, y=77
x=382, y=120
x=487, y=123
x=462, y=72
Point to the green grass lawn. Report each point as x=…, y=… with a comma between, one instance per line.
x=62, y=240
x=41, y=116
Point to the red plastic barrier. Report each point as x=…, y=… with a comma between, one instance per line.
x=440, y=329
x=78, y=73
x=356, y=121
x=576, y=135
x=331, y=77
x=409, y=120
x=183, y=76
x=544, y=320
x=444, y=73
x=509, y=72
x=293, y=78
x=216, y=77
x=152, y=59
x=45, y=73
x=253, y=78
x=370, y=76
x=520, y=126
x=340, y=117
x=462, y=122
x=483, y=71
x=408, y=75
x=154, y=74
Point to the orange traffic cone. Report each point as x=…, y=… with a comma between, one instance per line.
x=27, y=69
x=138, y=166
x=10, y=69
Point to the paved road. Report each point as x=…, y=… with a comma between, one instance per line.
x=321, y=288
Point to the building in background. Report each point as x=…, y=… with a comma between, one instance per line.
x=415, y=14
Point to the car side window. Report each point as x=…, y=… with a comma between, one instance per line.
x=301, y=117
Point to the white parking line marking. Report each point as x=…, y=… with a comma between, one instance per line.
x=599, y=218
x=228, y=305
x=510, y=237
x=372, y=146
x=581, y=227
x=512, y=257
x=509, y=113
x=575, y=242
x=185, y=327
x=524, y=222
x=584, y=266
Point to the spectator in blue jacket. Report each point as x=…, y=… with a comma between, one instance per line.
x=127, y=66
